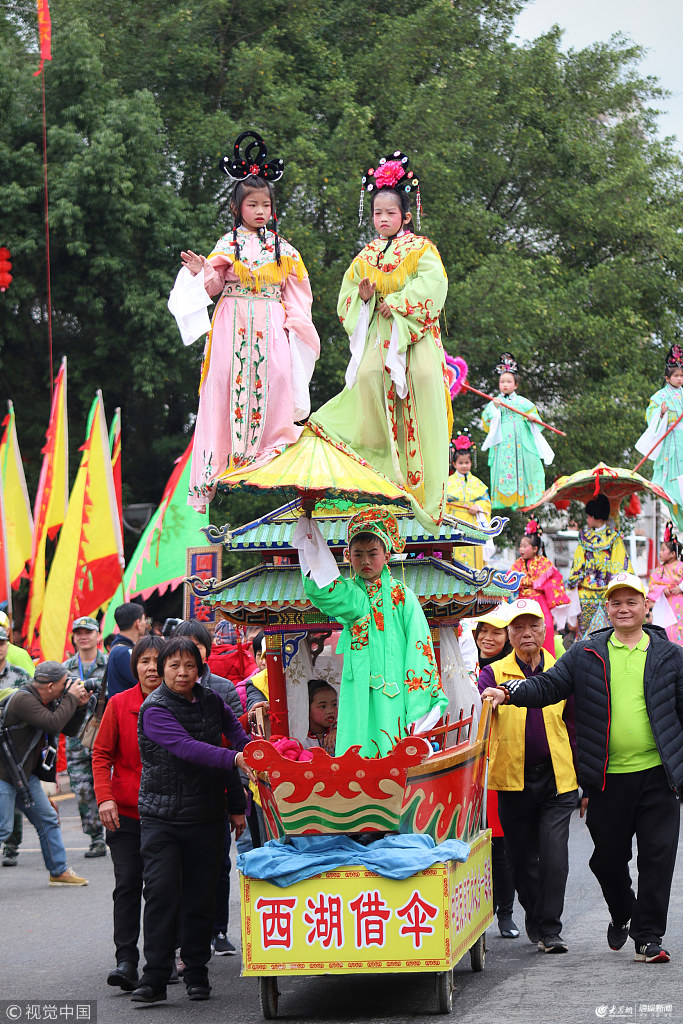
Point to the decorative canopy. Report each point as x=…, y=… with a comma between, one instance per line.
x=615, y=483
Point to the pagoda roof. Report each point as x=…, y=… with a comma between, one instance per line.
x=275, y=530
x=266, y=591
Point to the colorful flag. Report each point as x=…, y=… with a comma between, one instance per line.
x=44, y=33
x=18, y=518
x=51, y=500
x=88, y=563
x=115, y=449
x=5, y=587
x=160, y=559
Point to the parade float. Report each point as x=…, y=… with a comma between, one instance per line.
x=352, y=919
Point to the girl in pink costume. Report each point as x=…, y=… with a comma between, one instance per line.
x=667, y=580
x=262, y=346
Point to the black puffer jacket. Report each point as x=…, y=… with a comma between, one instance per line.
x=585, y=671
x=171, y=788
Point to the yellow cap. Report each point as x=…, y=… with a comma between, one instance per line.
x=524, y=607
x=497, y=617
x=626, y=579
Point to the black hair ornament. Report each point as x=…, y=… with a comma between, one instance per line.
x=507, y=364
x=391, y=172
x=253, y=161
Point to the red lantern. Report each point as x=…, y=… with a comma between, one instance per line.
x=5, y=267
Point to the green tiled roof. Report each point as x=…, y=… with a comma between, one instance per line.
x=431, y=579
x=274, y=531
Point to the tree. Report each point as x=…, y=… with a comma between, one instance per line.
x=555, y=208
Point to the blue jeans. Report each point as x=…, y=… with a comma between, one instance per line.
x=42, y=816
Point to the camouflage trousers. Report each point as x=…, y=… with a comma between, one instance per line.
x=79, y=767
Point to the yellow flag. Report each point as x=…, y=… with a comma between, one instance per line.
x=19, y=520
x=88, y=563
x=51, y=499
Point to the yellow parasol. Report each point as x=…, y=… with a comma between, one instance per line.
x=316, y=469
x=615, y=483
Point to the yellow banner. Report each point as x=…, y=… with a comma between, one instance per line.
x=353, y=921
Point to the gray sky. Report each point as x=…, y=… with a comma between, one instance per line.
x=655, y=24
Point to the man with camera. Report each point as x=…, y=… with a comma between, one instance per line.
x=49, y=704
x=11, y=677
x=89, y=665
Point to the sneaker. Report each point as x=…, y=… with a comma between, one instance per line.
x=222, y=946
x=507, y=927
x=10, y=858
x=617, y=934
x=98, y=848
x=652, y=953
x=68, y=877
x=553, y=944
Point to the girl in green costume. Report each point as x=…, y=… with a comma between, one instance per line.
x=390, y=679
x=395, y=411
x=516, y=448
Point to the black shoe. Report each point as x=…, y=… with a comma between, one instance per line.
x=10, y=857
x=617, y=935
x=552, y=944
x=147, y=994
x=652, y=953
x=98, y=848
x=124, y=975
x=507, y=927
x=198, y=992
x=531, y=929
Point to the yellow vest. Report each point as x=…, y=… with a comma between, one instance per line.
x=506, y=751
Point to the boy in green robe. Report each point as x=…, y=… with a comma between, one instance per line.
x=390, y=679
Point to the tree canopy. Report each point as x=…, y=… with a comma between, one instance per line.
x=555, y=207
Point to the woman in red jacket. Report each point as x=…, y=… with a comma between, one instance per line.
x=116, y=771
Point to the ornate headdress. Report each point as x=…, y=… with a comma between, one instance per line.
x=674, y=358
x=391, y=172
x=507, y=364
x=253, y=161
x=382, y=523
x=533, y=526
x=669, y=535
x=462, y=444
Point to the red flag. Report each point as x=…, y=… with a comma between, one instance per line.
x=115, y=450
x=45, y=33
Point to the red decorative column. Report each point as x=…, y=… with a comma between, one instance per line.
x=277, y=687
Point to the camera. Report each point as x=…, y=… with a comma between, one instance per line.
x=91, y=685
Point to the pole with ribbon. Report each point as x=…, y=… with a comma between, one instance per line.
x=457, y=371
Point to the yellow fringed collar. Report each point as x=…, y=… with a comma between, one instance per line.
x=264, y=271
x=389, y=270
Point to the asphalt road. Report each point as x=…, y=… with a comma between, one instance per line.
x=56, y=944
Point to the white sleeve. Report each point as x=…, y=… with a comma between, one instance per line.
x=315, y=558
x=187, y=302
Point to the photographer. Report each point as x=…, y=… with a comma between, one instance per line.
x=48, y=705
